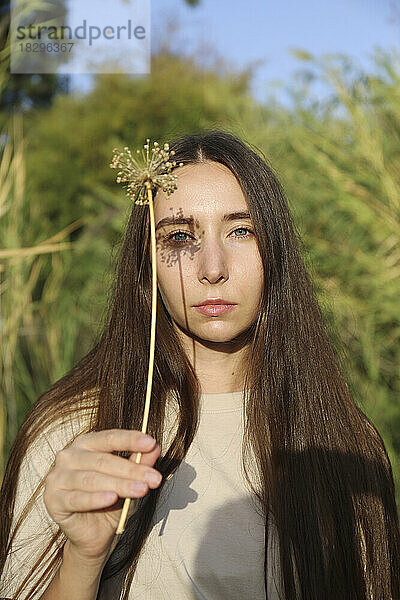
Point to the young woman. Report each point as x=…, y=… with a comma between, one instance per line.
x=274, y=483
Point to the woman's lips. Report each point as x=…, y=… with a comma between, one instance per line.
x=215, y=309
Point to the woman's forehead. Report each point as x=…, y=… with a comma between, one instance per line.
x=204, y=189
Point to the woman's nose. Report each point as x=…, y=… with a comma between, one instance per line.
x=212, y=260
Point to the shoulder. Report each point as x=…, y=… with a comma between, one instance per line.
x=32, y=529
x=41, y=453
x=61, y=432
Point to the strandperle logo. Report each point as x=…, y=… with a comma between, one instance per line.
x=81, y=32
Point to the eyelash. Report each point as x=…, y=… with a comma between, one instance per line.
x=181, y=242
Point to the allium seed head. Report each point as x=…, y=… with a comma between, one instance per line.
x=150, y=171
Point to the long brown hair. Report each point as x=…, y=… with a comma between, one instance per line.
x=311, y=456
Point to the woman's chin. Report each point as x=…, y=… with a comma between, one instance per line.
x=215, y=334
x=212, y=331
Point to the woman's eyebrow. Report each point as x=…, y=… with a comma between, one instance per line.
x=189, y=220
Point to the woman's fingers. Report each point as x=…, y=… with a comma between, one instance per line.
x=111, y=440
x=147, y=458
x=78, y=501
x=92, y=481
x=88, y=477
x=93, y=493
x=77, y=459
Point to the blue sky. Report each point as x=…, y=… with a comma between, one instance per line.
x=264, y=30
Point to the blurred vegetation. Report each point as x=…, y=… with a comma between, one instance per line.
x=24, y=91
x=338, y=160
x=21, y=263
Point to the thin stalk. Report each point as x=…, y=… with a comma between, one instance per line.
x=121, y=525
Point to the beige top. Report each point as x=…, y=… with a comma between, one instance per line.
x=207, y=539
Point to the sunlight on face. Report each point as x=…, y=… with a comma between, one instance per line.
x=207, y=257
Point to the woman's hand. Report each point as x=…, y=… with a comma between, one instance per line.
x=85, y=490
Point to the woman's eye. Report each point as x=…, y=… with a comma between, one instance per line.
x=171, y=237
x=243, y=228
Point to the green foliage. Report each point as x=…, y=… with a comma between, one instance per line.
x=23, y=370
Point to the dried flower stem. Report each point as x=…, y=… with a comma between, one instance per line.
x=121, y=524
x=155, y=171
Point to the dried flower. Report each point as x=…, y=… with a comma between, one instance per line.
x=141, y=172
x=140, y=176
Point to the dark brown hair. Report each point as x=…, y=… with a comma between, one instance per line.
x=311, y=456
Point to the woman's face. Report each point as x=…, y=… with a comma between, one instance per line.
x=209, y=257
